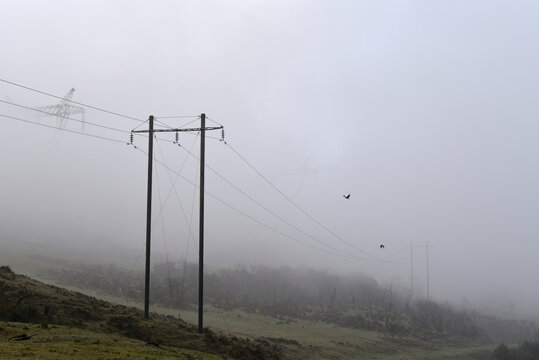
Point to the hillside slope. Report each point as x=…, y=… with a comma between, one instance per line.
x=26, y=300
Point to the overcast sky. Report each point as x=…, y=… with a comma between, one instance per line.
x=424, y=111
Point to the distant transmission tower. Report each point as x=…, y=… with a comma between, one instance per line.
x=64, y=110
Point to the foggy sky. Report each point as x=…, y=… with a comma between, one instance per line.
x=425, y=111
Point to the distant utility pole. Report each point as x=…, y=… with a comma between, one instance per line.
x=411, y=272
x=151, y=132
x=428, y=295
x=426, y=245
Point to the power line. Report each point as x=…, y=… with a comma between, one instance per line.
x=173, y=184
x=190, y=233
x=164, y=237
x=215, y=121
x=65, y=117
x=74, y=102
x=300, y=209
x=264, y=207
x=254, y=219
x=63, y=129
x=177, y=117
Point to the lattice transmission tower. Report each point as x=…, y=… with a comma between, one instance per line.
x=64, y=110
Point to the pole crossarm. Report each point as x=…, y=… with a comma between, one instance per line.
x=179, y=130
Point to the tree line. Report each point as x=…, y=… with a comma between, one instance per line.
x=355, y=301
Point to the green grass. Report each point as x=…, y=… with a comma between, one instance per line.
x=25, y=299
x=59, y=342
x=300, y=339
x=320, y=340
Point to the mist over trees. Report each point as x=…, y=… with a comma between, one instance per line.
x=355, y=301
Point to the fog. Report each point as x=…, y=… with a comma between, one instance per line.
x=424, y=111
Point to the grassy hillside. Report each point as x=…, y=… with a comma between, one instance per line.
x=71, y=324
x=54, y=342
x=25, y=300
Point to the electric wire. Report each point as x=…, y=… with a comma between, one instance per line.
x=65, y=117
x=301, y=209
x=71, y=101
x=190, y=235
x=237, y=210
x=63, y=129
x=139, y=125
x=264, y=207
x=193, y=239
x=348, y=256
x=209, y=118
x=164, y=235
x=173, y=187
x=177, y=117
x=135, y=263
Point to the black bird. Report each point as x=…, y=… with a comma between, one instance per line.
x=346, y=196
x=382, y=246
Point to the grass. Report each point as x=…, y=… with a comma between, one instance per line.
x=25, y=299
x=319, y=340
x=58, y=342
x=300, y=339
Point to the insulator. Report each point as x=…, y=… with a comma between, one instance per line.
x=131, y=139
x=176, y=137
x=223, y=134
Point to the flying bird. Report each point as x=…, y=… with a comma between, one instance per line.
x=382, y=246
x=346, y=196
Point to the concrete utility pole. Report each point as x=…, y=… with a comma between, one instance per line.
x=151, y=132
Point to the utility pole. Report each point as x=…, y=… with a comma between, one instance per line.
x=151, y=132
x=411, y=272
x=428, y=295
x=148, y=221
x=201, y=226
x=426, y=245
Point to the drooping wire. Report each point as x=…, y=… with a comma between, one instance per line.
x=348, y=256
x=277, y=216
x=139, y=125
x=209, y=118
x=173, y=187
x=210, y=282
x=177, y=117
x=71, y=101
x=63, y=129
x=190, y=235
x=301, y=209
x=189, y=223
x=135, y=263
x=164, y=232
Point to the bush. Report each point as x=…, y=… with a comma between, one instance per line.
x=526, y=351
x=501, y=352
